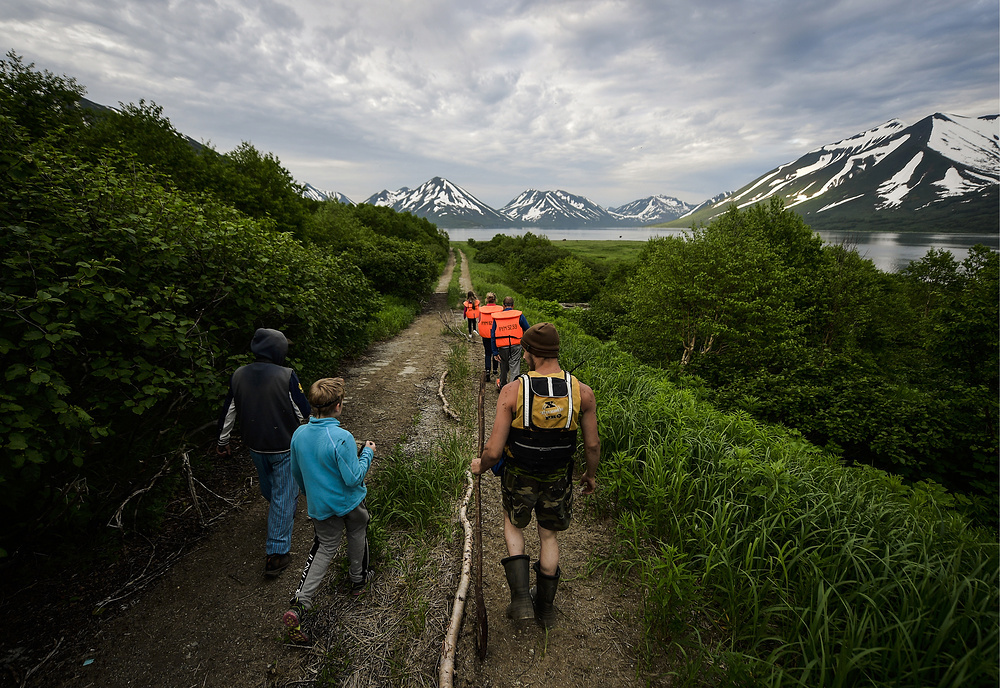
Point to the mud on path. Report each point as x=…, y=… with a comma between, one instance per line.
x=212, y=619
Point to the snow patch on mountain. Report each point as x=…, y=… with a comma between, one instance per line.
x=967, y=140
x=311, y=192
x=556, y=208
x=894, y=190
x=651, y=210
x=442, y=202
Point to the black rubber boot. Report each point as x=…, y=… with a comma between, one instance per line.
x=516, y=568
x=544, y=595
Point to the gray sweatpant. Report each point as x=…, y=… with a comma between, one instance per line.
x=510, y=363
x=325, y=545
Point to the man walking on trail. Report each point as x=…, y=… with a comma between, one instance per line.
x=508, y=326
x=535, y=434
x=331, y=473
x=486, y=330
x=268, y=400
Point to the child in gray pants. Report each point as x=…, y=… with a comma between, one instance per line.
x=328, y=469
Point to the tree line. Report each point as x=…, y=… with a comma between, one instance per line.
x=136, y=266
x=756, y=313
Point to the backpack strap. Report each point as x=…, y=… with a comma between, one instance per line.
x=526, y=401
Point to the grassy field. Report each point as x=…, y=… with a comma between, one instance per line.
x=593, y=249
x=602, y=250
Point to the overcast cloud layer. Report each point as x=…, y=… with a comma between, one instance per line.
x=612, y=100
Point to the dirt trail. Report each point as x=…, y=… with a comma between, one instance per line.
x=213, y=619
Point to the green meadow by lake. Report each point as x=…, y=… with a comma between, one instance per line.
x=889, y=251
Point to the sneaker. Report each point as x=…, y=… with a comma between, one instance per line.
x=499, y=386
x=358, y=588
x=292, y=621
x=276, y=563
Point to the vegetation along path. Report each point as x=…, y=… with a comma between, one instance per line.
x=212, y=619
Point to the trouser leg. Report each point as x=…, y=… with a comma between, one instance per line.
x=357, y=542
x=514, y=362
x=325, y=544
x=489, y=365
x=263, y=466
x=504, y=365
x=284, y=496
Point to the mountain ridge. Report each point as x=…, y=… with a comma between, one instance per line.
x=942, y=172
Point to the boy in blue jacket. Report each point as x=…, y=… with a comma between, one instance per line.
x=328, y=469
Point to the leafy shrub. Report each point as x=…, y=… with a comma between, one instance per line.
x=122, y=305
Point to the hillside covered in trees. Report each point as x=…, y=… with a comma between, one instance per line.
x=136, y=266
x=756, y=313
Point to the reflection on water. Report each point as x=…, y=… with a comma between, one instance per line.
x=890, y=251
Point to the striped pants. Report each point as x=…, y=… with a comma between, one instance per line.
x=280, y=490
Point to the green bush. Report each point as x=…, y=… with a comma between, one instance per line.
x=122, y=306
x=898, y=371
x=764, y=558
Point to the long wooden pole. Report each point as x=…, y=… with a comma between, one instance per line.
x=482, y=627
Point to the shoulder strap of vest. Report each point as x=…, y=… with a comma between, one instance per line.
x=569, y=395
x=525, y=401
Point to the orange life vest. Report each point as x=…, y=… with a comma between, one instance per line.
x=471, y=309
x=486, y=319
x=508, y=328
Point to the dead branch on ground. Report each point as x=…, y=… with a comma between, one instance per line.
x=445, y=407
x=447, y=671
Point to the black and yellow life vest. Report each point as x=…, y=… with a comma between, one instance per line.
x=543, y=434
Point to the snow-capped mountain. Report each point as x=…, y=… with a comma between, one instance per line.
x=442, y=202
x=706, y=204
x=386, y=197
x=556, y=209
x=943, y=171
x=650, y=210
x=310, y=191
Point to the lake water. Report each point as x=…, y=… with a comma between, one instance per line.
x=890, y=251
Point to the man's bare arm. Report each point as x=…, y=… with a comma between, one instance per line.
x=591, y=441
x=493, y=449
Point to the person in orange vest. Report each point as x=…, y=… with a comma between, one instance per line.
x=470, y=307
x=486, y=331
x=538, y=422
x=508, y=326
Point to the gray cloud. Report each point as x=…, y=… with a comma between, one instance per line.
x=613, y=99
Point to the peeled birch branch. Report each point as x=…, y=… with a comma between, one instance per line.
x=444, y=402
x=447, y=671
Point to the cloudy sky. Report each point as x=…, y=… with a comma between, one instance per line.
x=613, y=100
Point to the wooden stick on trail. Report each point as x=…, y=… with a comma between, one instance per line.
x=482, y=627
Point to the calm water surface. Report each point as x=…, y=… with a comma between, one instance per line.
x=890, y=251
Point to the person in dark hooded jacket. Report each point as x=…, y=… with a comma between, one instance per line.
x=268, y=400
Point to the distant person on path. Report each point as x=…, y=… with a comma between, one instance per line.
x=470, y=307
x=486, y=331
x=268, y=400
x=508, y=326
x=535, y=433
x=331, y=473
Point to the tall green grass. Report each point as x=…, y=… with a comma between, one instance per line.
x=455, y=293
x=395, y=316
x=765, y=561
x=417, y=492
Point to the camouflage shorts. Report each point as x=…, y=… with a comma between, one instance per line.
x=551, y=501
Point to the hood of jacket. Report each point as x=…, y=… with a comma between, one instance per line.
x=269, y=344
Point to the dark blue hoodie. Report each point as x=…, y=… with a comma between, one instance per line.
x=265, y=396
